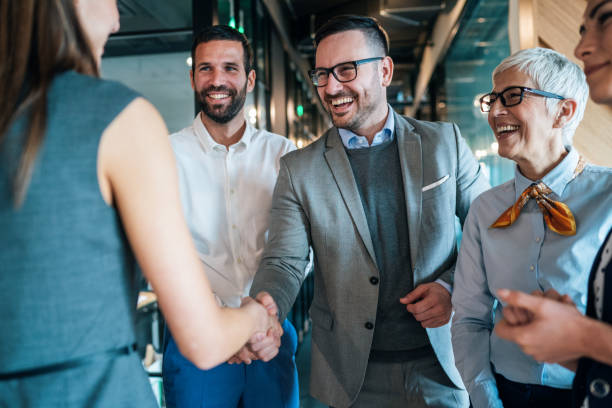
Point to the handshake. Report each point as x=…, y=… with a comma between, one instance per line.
x=263, y=344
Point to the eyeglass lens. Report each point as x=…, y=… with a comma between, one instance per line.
x=510, y=97
x=343, y=73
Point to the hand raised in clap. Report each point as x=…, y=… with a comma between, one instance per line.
x=516, y=315
x=550, y=333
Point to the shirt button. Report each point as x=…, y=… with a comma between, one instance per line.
x=233, y=226
x=374, y=280
x=239, y=260
x=538, y=239
x=531, y=268
x=599, y=388
x=232, y=191
x=369, y=326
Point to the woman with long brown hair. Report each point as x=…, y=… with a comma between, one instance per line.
x=87, y=176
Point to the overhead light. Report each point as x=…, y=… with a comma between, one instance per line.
x=480, y=153
x=300, y=144
x=189, y=61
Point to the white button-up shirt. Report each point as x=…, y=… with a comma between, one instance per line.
x=226, y=197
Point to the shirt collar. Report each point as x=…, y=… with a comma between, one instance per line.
x=556, y=179
x=351, y=140
x=209, y=144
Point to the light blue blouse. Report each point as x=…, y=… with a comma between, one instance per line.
x=525, y=256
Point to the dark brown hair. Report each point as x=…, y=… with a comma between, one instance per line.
x=223, y=32
x=370, y=27
x=38, y=40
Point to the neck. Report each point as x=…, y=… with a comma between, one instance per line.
x=225, y=134
x=375, y=124
x=536, y=169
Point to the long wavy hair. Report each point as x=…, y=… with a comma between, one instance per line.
x=38, y=40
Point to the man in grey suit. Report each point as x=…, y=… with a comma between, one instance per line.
x=375, y=198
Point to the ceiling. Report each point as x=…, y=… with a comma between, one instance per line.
x=158, y=26
x=409, y=24
x=151, y=27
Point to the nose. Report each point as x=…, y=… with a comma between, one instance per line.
x=333, y=85
x=216, y=77
x=586, y=45
x=497, y=108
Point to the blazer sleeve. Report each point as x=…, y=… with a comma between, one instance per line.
x=471, y=180
x=286, y=255
x=470, y=183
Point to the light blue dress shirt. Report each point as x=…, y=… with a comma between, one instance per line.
x=525, y=256
x=351, y=140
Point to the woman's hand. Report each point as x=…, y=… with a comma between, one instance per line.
x=553, y=331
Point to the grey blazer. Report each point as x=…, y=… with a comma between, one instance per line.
x=316, y=204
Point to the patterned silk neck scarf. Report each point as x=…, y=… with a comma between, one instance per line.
x=557, y=215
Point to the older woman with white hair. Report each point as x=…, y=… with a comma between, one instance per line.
x=538, y=232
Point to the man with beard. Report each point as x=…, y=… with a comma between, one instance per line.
x=227, y=171
x=376, y=198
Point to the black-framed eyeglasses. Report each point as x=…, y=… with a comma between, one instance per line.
x=343, y=72
x=511, y=96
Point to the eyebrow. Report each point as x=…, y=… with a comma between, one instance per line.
x=597, y=7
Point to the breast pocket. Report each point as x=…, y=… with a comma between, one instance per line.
x=438, y=209
x=436, y=188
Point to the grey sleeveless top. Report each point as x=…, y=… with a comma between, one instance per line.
x=66, y=291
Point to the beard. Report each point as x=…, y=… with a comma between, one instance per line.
x=364, y=105
x=217, y=112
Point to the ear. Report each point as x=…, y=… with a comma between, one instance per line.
x=566, y=111
x=387, y=71
x=191, y=79
x=251, y=80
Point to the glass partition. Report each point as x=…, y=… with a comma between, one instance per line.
x=478, y=48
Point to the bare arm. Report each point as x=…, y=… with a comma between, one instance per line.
x=137, y=174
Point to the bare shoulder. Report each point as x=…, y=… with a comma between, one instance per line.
x=136, y=138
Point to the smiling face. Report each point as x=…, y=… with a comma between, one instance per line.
x=361, y=103
x=525, y=132
x=219, y=79
x=99, y=19
x=595, y=49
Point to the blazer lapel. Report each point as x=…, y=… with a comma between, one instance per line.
x=409, y=146
x=340, y=167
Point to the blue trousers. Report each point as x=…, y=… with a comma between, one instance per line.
x=256, y=385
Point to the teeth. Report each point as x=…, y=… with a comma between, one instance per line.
x=218, y=96
x=340, y=101
x=507, y=128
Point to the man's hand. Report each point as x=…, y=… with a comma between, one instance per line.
x=551, y=335
x=242, y=356
x=430, y=304
x=262, y=346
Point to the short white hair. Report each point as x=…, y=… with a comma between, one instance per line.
x=552, y=72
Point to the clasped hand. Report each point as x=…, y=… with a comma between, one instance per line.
x=262, y=345
x=543, y=324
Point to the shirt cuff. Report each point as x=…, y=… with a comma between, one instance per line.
x=445, y=285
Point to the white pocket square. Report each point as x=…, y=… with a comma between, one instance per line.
x=435, y=183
